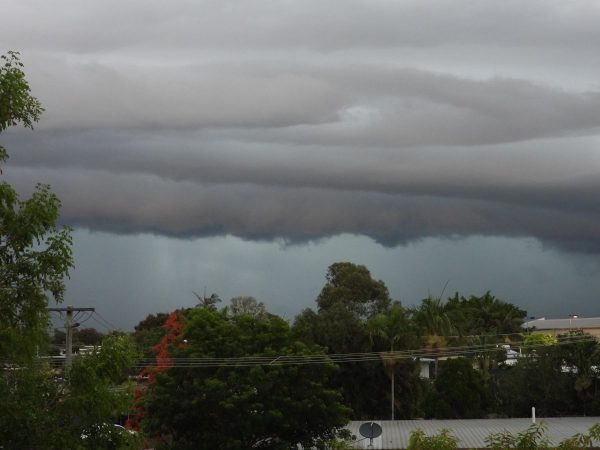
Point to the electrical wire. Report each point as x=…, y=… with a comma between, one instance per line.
x=111, y=325
x=89, y=316
x=344, y=358
x=101, y=324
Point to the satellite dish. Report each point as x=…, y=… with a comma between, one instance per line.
x=370, y=430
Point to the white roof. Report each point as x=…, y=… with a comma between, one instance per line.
x=563, y=324
x=471, y=433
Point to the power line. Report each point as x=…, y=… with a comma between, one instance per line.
x=100, y=320
x=111, y=325
x=340, y=358
x=344, y=358
x=101, y=324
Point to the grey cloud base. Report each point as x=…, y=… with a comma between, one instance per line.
x=134, y=203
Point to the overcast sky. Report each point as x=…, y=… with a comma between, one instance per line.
x=243, y=146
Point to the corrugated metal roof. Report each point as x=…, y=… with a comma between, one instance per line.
x=559, y=324
x=471, y=433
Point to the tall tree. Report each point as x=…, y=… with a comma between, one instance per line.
x=348, y=299
x=434, y=324
x=352, y=286
x=209, y=302
x=35, y=254
x=394, y=330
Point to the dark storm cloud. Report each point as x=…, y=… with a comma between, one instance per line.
x=301, y=120
x=141, y=203
x=531, y=175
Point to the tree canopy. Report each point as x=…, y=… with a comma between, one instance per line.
x=35, y=254
x=352, y=286
x=259, y=406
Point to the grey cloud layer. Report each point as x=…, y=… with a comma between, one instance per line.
x=321, y=106
x=134, y=203
x=110, y=25
x=300, y=120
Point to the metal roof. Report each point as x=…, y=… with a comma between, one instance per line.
x=471, y=433
x=560, y=324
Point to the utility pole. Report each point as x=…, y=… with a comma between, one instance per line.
x=69, y=325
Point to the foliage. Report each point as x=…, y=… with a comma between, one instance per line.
x=149, y=331
x=444, y=440
x=272, y=406
x=583, y=357
x=393, y=329
x=535, y=380
x=484, y=315
x=533, y=438
x=352, y=286
x=17, y=105
x=530, y=439
x=459, y=391
x=247, y=305
x=363, y=384
x=207, y=302
x=35, y=255
x=41, y=409
x=432, y=318
x=582, y=441
x=531, y=341
x=87, y=336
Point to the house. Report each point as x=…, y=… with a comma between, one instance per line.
x=471, y=433
x=590, y=325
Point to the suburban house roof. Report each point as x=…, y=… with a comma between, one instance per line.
x=471, y=433
x=563, y=324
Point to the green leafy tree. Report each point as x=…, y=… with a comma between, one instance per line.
x=537, y=379
x=352, y=285
x=485, y=321
x=485, y=314
x=349, y=298
x=251, y=406
x=35, y=254
x=87, y=336
x=149, y=331
x=41, y=409
x=459, y=391
x=17, y=105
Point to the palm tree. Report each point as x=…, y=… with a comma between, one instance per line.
x=393, y=330
x=434, y=321
x=207, y=302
